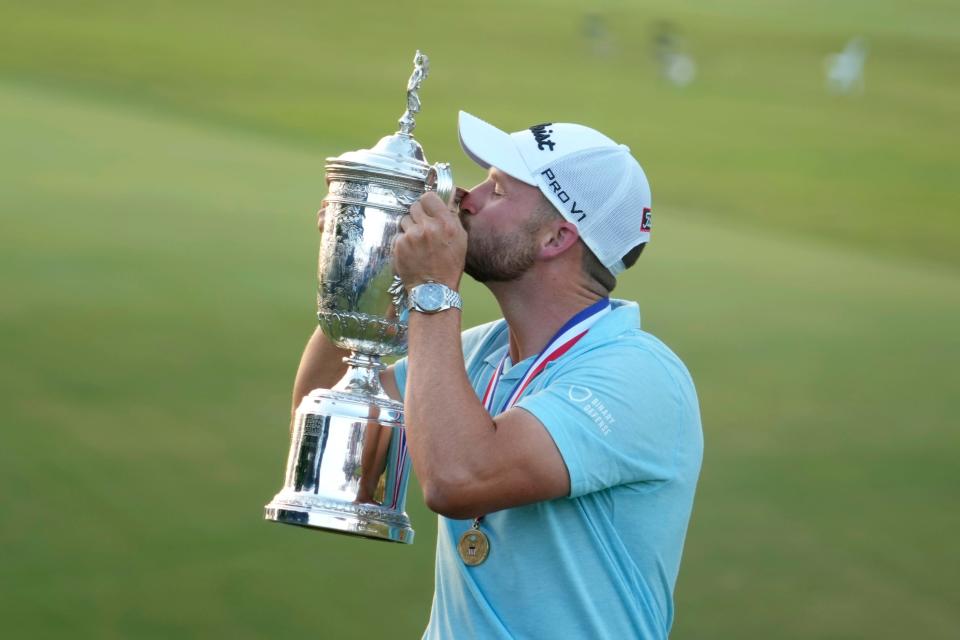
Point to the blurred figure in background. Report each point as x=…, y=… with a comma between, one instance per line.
x=844, y=70
x=597, y=34
x=676, y=67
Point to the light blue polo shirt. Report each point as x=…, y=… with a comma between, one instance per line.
x=603, y=562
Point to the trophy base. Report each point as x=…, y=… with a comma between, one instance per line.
x=348, y=467
x=365, y=520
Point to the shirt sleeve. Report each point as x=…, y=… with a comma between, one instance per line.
x=615, y=414
x=400, y=375
x=471, y=340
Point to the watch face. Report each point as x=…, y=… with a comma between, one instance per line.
x=429, y=296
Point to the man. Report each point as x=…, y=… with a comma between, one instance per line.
x=561, y=445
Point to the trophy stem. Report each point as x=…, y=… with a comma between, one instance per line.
x=363, y=376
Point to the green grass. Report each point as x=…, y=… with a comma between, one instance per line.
x=160, y=174
x=756, y=140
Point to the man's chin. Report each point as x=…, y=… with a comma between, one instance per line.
x=476, y=275
x=496, y=260
x=486, y=276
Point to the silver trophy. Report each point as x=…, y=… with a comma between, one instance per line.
x=348, y=468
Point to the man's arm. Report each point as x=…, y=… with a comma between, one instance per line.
x=321, y=365
x=467, y=462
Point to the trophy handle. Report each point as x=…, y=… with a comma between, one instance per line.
x=440, y=179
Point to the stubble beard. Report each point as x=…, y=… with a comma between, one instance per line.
x=500, y=257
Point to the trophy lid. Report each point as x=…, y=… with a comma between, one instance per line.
x=397, y=155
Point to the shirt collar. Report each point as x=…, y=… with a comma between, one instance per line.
x=624, y=315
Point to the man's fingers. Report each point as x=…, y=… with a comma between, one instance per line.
x=417, y=213
x=430, y=215
x=432, y=205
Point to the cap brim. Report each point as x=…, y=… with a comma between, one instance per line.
x=490, y=147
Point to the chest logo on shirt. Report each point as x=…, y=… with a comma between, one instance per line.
x=579, y=394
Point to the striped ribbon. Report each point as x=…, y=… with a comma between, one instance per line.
x=568, y=335
x=401, y=462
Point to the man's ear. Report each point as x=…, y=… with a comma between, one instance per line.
x=558, y=240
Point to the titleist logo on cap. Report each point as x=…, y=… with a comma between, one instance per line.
x=542, y=135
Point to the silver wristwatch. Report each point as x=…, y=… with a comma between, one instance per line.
x=433, y=297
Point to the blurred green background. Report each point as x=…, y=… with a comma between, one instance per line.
x=160, y=168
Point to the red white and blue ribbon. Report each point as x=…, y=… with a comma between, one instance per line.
x=398, y=489
x=568, y=335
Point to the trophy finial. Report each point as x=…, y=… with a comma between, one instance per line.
x=421, y=68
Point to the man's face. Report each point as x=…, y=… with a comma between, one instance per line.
x=502, y=216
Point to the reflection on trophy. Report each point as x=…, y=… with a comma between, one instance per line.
x=348, y=469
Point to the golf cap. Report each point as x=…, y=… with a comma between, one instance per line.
x=591, y=180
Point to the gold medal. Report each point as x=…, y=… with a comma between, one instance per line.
x=473, y=546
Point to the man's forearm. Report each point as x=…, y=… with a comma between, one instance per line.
x=448, y=427
x=320, y=366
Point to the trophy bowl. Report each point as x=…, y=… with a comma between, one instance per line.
x=347, y=470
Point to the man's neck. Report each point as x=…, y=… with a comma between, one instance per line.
x=536, y=309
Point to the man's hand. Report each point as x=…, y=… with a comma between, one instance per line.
x=433, y=245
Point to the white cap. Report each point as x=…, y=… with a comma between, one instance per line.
x=592, y=181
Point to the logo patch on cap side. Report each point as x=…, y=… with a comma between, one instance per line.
x=647, y=220
x=542, y=135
